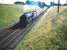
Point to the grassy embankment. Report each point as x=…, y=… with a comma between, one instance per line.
x=49, y=33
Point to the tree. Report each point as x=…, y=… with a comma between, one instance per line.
x=18, y=2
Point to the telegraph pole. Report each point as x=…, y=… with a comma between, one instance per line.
x=58, y=5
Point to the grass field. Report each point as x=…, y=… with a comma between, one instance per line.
x=49, y=33
x=9, y=14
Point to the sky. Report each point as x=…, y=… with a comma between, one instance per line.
x=46, y=1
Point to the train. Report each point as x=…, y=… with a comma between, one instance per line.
x=25, y=19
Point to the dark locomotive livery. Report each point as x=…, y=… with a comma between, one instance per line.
x=25, y=19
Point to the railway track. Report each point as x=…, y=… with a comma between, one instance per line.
x=10, y=38
x=9, y=41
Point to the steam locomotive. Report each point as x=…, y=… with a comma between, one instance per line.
x=25, y=19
